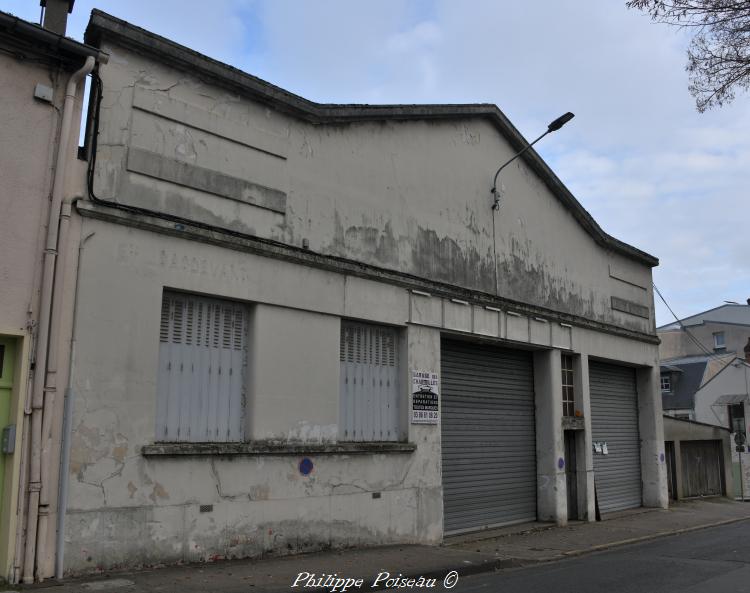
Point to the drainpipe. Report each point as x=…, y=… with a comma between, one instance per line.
x=62, y=494
x=46, y=366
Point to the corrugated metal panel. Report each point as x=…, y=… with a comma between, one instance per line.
x=488, y=436
x=202, y=361
x=368, y=383
x=614, y=420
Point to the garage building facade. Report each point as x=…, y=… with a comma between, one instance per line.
x=317, y=335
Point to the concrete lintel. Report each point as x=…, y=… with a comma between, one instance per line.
x=273, y=448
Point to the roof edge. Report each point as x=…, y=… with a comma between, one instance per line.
x=102, y=24
x=696, y=422
x=65, y=45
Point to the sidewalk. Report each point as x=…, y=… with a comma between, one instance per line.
x=503, y=548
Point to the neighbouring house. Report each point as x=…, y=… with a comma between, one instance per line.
x=722, y=330
x=709, y=383
x=724, y=400
x=301, y=325
x=682, y=377
x=42, y=79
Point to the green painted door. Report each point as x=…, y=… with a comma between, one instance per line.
x=7, y=364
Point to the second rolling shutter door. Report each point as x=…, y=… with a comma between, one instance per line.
x=488, y=436
x=614, y=421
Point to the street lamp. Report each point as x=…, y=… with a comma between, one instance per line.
x=552, y=127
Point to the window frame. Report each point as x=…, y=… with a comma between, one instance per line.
x=567, y=379
x=732, y=417
x=717, y=345
x=665, y=378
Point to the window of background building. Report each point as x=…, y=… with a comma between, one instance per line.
x=666, y=383
x=737, y=418
x=202, y=362
x=567, y=385
x=369, y=403
x=719, y=343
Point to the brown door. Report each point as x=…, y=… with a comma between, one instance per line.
x=702, y=468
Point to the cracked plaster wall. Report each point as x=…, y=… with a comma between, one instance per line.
x=128, y=510
x=406, y=195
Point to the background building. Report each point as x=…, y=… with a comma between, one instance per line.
x=722, y=330
x=704, y=377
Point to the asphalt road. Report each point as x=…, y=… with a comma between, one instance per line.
x=715, y=560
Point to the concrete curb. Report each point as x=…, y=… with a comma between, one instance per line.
x=643, y=538
x=509, y=563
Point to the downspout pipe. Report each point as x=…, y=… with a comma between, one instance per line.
x=46, y=351
x=62, y=493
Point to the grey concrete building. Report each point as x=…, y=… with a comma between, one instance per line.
x=303, y=325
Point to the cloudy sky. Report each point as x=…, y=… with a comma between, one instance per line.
x=649, y=168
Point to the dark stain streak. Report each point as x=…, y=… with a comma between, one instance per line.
x=443, y=259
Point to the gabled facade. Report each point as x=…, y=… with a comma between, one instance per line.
x=303, y=326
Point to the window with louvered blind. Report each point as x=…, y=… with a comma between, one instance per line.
x=202, y=363
x=369, y=406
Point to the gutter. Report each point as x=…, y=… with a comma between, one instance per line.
x=57, y=43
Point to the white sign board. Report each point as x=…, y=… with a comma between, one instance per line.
x=425, y=397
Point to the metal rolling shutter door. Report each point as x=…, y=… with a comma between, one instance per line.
x=614, y=420
x=488, y=436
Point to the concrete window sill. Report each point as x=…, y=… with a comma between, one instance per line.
x=573, y=423
x=263, y=448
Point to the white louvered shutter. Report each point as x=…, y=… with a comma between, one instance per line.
x=368, y=409
x=202, y=363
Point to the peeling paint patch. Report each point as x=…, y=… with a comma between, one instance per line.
x=158, y=492
x=118, y=453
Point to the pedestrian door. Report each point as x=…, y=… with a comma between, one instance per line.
x=488, y=437
x=614, y=429
x=7, y=364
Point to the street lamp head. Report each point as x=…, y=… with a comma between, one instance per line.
x=560, y=122
x=553, y=127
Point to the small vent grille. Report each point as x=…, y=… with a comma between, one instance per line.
x=164, y=327
x=177, y=321
x=190, y=322
x=367, y=344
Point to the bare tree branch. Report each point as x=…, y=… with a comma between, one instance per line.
x=719, y=53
